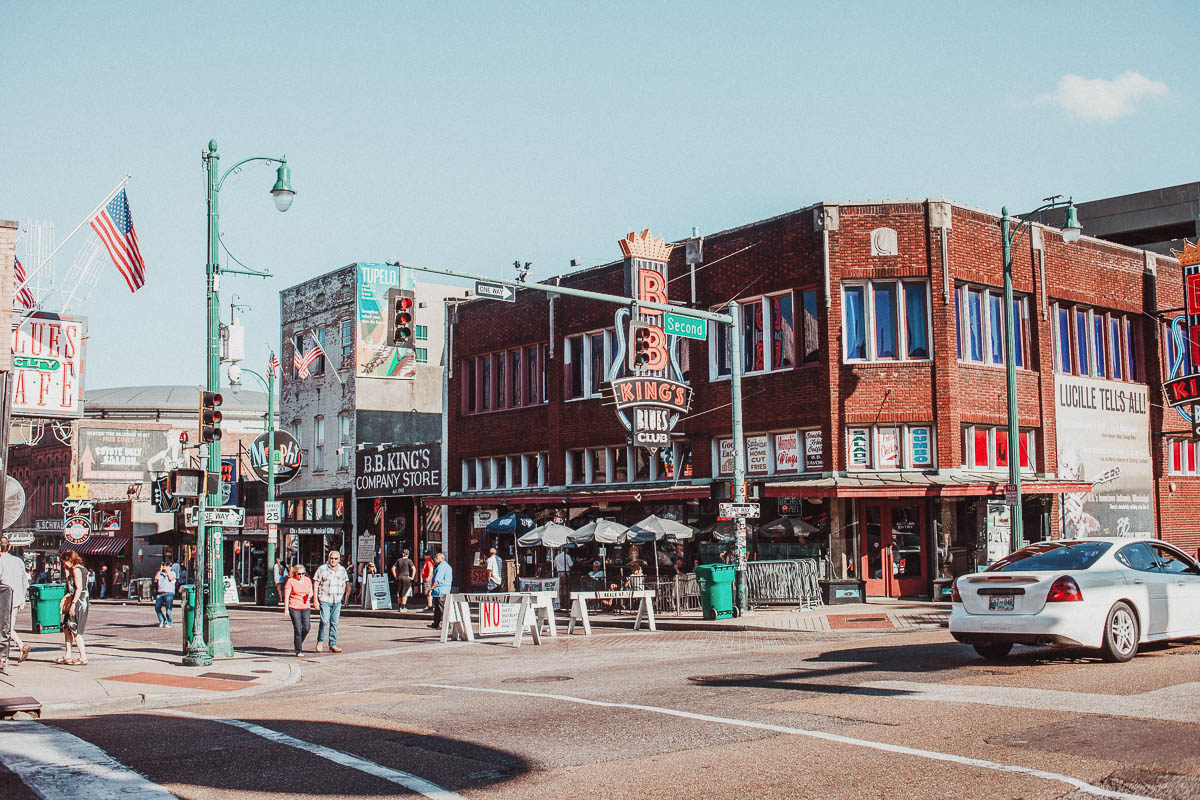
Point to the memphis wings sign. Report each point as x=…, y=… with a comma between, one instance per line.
x=652, y=399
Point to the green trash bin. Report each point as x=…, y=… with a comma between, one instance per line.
x=45, y=606
x=187, y=602
x=715, y=582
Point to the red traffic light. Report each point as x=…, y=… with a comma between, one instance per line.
x=183, y=437
x=210, y=399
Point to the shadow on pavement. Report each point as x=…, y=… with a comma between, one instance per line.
x=213, y=755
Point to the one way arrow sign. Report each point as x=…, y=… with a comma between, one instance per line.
x=496, y=291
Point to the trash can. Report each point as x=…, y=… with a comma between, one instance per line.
x=715, y=582
x=187, y=601
x=260, y=591
x=45, y=606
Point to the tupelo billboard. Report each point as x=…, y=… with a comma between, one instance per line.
x=374, y=357
x=47, y=376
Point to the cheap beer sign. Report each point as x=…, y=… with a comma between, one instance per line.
x=652, y=397
x=1182, y=388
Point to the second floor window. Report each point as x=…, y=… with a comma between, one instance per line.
x=885, y=320
x=422, y=333
x=979, y=325
x=770, y=334
x=586, y=363
x=504, y=379
x=347, y=333
x=1095, y=342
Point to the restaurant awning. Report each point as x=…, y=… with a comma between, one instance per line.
x=958, y=483
x=100, y=546
x=650, y=494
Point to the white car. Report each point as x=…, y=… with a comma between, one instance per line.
x=1106, y=593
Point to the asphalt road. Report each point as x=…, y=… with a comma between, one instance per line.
x=625, y=715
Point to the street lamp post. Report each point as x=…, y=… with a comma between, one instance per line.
x=272, y=595
x=209, y=541
x=1010, y=234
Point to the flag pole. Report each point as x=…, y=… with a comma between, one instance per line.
x=313, y=332
x=87, y=218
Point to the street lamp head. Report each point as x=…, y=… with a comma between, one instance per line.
x=235, y=378
x=1072, y=230
x=282, y=191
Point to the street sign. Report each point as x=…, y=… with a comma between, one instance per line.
x=739, y=510
x=273, y=512
x=1010, y=494
x=685, y=326
x=225, y=516
x=496, y=291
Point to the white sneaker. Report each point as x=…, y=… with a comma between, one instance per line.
x=162, y=624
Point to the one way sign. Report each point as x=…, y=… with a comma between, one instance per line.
x=496, y=291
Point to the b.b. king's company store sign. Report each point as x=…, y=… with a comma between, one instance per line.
x=652, y=399
x=404, y=469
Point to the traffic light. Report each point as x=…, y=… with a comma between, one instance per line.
x=400, y=327
x=210, y=417
x=639, y=345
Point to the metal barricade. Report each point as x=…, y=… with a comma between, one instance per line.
x=676, y=595
x=791, y=581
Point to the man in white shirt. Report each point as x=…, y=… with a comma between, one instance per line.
x=495, y=569
x=14, y=576
x=332, y=589
x=164, y=594
x=562, y=565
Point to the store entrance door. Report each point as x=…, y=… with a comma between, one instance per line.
x=894, y=545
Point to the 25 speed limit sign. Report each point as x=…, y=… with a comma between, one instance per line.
x=273, y=512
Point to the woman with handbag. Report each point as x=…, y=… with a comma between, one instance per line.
x=74, y=607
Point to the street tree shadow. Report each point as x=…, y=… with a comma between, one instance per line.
x=215, y=755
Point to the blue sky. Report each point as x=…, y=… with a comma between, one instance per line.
x=473, y=134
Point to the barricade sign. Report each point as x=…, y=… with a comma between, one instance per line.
x=514, y=614
x=378, y=594
x=579, y=609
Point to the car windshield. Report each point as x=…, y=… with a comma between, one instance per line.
x=1051, y=556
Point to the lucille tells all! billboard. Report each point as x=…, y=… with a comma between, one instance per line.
x=1104, y=439
x=48, y=366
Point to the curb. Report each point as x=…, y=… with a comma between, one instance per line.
x=153, y=701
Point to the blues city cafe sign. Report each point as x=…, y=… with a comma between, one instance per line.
x=399, y=470
x=653, y=397
x=1181, y=390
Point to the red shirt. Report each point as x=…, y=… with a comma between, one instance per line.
x=302, y=592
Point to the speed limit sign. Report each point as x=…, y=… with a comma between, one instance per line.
x=273, y=512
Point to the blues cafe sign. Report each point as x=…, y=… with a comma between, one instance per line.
x=1182, y=387
x=652, y=397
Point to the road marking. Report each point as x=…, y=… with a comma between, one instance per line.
x=1179, y=703
x=56, y=764
x=829, y=737
x=413, y=783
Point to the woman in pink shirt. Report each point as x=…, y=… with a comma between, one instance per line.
x=299, y=602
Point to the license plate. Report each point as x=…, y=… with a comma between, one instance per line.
x=1001, y=602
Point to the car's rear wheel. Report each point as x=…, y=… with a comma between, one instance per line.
x=1121, y=634
x=993, y=650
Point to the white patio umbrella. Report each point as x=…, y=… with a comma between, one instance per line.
x=604, y=531
x=550, y=535
x=654, y=529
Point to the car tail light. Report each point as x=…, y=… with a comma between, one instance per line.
x=955, y=597
x=1064, y=590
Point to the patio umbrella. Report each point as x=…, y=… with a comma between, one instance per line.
x=550, y=535
x=654, y=529
x=515, y=524
x=603, y=531
x=725, y=531
x=788, y=526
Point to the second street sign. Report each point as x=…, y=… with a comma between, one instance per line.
x=685, y=326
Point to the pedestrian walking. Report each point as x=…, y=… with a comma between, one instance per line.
x=439, y=587
x=279, y=575
x=13, y=577
x=102, y=580
x=405, y=572
x=164, y=595
x=495, y=568
x=74, y=607
x=332, y=590
x=299, y=601
x=427, y=575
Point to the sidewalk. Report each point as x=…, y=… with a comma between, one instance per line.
x=881, y=614
x=123, y=674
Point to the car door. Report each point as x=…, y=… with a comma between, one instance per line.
x=1140, y=558
x=1182, y=579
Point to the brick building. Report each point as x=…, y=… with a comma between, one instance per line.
x=874, y=396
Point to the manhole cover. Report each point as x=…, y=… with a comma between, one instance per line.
x=538, y=679
x=732, y=677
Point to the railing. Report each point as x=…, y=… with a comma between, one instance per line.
x=676, y=595
x=792, y=581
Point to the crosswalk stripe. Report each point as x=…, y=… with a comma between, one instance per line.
x=830, y=737
x=409, y=781
x=56, y=764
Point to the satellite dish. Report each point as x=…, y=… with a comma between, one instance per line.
x=14, y=500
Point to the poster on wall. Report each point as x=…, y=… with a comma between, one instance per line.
x=725, y=456
x=47, y=364
x=121, y=454
x=787, y=452
x=814, y=451
x=858, y=448
x=374, y=357
x=1104, y=439
x=756, y=454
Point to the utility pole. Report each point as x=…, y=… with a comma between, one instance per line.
x=732, y=319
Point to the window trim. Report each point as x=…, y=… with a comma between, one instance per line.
x=901, y=318
x=962, y=309
x=472, y=384
x=1132, y=368
x=586, y=377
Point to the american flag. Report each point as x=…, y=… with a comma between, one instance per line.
x=24, y=297
x=114, y=226
x=303, y=361
x=273, y=364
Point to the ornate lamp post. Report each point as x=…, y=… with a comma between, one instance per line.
x=209, y=541
x=1010, y=235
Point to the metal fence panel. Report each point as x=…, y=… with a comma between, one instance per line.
x=789, y=581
